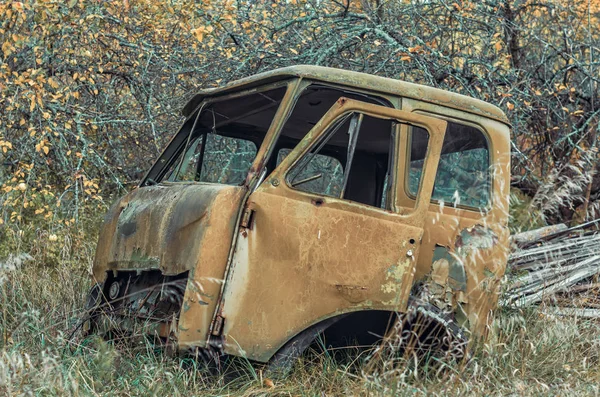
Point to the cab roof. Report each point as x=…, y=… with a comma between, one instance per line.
x=359, y=80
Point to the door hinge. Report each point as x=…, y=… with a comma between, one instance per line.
x=219, y=321
x=247, y=216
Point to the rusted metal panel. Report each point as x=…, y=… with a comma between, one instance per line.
x=164, y=226
x=322, y=261
x=206, y=277
x=304, y=260
x=369, y=82
x=476, y=241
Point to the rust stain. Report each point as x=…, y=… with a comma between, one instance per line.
x=353, y=293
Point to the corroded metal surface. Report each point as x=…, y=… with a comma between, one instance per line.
x=484, y=259
x=208, y=268
x=166, y=227
x=302, y=261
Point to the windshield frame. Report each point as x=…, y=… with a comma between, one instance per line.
x=179, y=142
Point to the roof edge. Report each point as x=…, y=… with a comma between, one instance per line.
x=359, y=80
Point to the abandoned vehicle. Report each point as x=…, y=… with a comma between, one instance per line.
x=310, y=201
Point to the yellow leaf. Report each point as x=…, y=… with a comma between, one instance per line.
x=510, y=106
x=46, y=149
x=498, y=45
x=199, y=34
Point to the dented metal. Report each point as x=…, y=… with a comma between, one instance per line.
x=267, y=262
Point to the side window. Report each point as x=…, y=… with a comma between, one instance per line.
x=310, y=106
x=351, y=161
x=463, y=176
x=419, y=139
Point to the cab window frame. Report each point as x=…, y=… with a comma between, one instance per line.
x=395, y=134
x=490, y=202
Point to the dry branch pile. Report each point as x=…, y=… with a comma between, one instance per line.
x=559, y=266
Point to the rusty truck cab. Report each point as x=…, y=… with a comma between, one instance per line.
x=309, y=199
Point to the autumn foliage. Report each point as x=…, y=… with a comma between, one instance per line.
x=90, y=91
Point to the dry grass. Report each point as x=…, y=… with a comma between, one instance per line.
x=528, y=354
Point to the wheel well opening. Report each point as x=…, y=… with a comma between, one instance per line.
x=421, y=331
x=359, y=330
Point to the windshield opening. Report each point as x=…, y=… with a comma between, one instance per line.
x=219, y=144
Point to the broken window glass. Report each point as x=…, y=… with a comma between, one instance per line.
x=463, y=177
x=226, y=160
x=310, y=107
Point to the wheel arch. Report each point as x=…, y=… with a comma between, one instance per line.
x=338, y=331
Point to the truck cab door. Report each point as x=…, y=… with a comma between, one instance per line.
x=303, y=256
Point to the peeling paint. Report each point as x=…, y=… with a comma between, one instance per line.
x=353, y=293
x=475, y=238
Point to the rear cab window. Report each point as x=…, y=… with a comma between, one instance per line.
x=463, y=177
